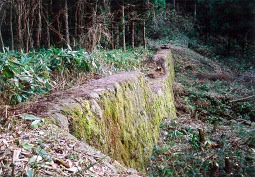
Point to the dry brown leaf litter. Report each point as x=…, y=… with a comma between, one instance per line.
x=48, y=151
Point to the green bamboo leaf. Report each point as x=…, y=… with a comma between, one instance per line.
x=7, y=72
x=35, y=123
x=29, y=117
x=30, y=172
x=27, y=146
x=19, y=98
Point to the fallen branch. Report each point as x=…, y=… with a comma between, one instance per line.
x=243, y=99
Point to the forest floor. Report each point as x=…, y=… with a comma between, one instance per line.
x=213, y=135
x=30, y=146
x=214, y=132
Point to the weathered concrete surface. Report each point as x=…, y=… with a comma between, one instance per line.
x=118, y=114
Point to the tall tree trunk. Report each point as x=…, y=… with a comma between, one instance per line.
x=67, y=25
x=19, y=32
x=117, y=44
x=1, y=40
x=47, y=21
x=112, y=36
x=144, y=35
x=1, y=37
x=132, y=24
x=27, y=34
x=31, y=25
x=18, y=12
x=174, y=3
x=207, y=21
x=11, y=27
x=76, y=20
x=28, y=17
x=133, y=34
x=47, y=29
x=39, y=27
x=81, y=20
x=195, y=10
x=123, y=28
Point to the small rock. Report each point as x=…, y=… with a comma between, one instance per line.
x=165, y=133
x=61, y=120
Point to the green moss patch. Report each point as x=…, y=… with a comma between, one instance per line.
x=123, y=121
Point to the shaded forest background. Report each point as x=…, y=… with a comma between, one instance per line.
x=30, y=24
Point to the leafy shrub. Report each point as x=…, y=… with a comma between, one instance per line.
x=27, y=74
x=117, y=60
x=23, y=75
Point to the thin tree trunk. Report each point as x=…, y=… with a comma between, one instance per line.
x=1, y=37
x=67, y=25
x=47, y=30
x=144, y=35
x=1, y=41
x=112, y=36
x=27, y=36
x=28, y=24
x=207, y=27
x=133, y=34
x=18, y=10
x=39, y=27
x=81, y=19
x=11, y=28
x=117, y=37
x=195, y=10
x=30, y=27
x=123, y=29
x=174, y=3
x=25, y=23
x=19, y=32
x=77, y=13
x=132, y=24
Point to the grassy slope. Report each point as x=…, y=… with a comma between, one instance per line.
x=203, y=103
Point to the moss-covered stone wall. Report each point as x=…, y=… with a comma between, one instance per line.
x=122, y=117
